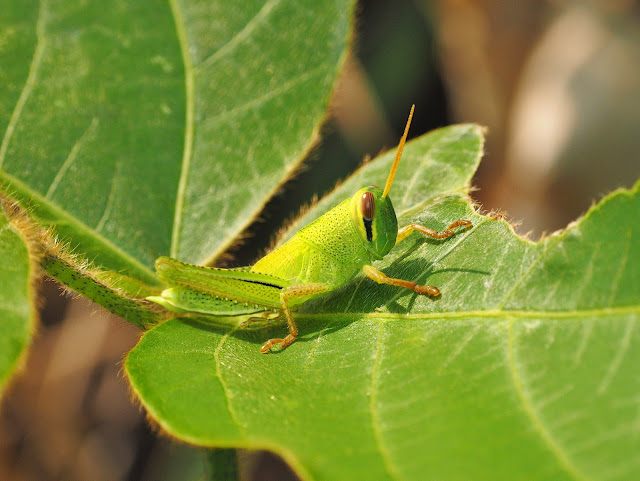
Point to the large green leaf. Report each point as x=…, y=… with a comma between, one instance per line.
x=147, y=128
x=526, y=368
x=16, y=298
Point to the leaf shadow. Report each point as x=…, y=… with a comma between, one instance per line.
x=420, y=273
x=257, y=335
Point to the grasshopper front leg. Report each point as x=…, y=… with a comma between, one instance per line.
x=448, y=232
x=286, y=295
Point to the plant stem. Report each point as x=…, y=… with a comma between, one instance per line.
x=222, y=465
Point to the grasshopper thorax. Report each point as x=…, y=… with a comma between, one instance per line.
x=375, y=220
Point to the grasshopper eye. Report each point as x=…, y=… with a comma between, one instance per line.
x=367, y=205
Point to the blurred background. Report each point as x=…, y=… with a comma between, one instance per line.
x=557, y=84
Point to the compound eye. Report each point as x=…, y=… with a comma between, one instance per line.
x=367, y=205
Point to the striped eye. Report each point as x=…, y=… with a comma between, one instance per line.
x=367, y=205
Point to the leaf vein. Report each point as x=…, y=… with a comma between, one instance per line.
x=501, y=258
x=623, y=264
x=460, y=347
x=353, y=294
x=586, y=278
x=543, y=432
x=223, y=383
x=109, y=205
x=375, y=420
x=312, y=351
x=584, y=340
x=262, y=99
x=241, y=35
x=36, y=60
x=516, y=284
x=617, y=359
x=425, y=158
x=73, y=154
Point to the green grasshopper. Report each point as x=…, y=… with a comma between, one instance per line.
x=320, y=258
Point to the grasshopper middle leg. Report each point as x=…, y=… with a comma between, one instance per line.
x=381, y=278
x=287, y=294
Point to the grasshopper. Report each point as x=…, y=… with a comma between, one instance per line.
x=318, y=259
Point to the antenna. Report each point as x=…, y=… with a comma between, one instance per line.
x=394, y=167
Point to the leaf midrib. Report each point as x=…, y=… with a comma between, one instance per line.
x=189, y=80
x=503, y=314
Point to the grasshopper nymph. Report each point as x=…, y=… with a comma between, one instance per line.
x=321, y=257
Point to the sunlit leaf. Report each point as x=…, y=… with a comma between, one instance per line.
x=526, y=367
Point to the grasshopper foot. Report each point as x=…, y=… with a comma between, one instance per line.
x=430, y=291
x=281, y=343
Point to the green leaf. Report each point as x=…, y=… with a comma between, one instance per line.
x=16, y=298
x=531, y=351
x=524, y=369
x=151, y=128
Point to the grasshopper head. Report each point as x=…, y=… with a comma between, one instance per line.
x=372, y=212
x=374, y=218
